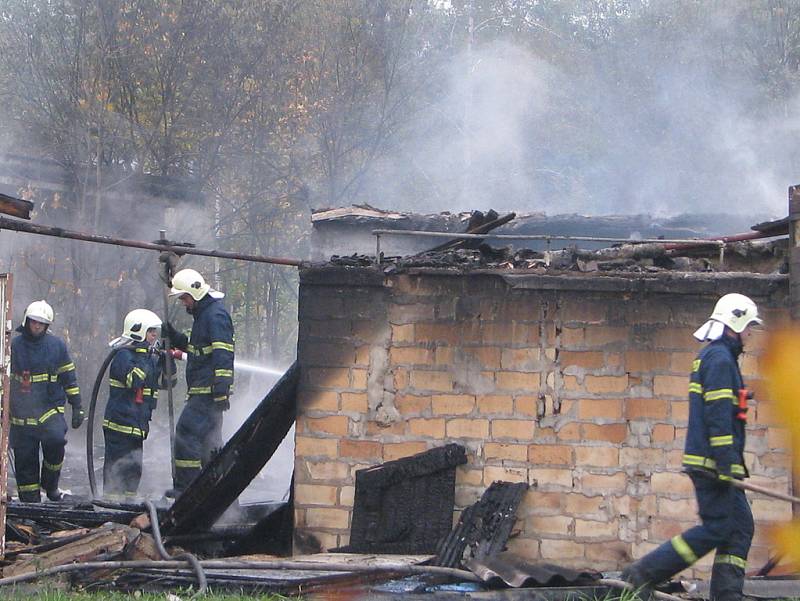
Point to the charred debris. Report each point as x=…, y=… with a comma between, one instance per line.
x=614, y=246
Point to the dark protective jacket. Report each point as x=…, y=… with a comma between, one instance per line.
x=716, y=435
x=133, y=368
x=42, y=378
x=209, y=368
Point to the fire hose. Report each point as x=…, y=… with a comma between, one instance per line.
x=90, y=418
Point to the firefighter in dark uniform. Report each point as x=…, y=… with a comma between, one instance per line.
x=134, y=382
x=713, y=457
x=42, y=380
x=209, y=375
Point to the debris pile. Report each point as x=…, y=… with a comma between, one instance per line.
x=752, y=256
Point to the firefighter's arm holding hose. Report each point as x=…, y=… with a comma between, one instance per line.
x=177, y=339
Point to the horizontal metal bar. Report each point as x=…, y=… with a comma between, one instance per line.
x=547, y=237
x=46, y=230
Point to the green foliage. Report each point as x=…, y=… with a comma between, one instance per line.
x=59, y=595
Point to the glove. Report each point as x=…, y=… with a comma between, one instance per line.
x=221, y=395
x=77, y=416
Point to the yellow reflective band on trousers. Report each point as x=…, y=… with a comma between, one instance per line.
x=188, y=463
x=732, y=560
x=717, y=394
x=721, y=441
x=51, y=467
x=123, y=429
x=223, y=373
x=200, y=390
x=27, y=487
x=683, y=549
x=72, y=391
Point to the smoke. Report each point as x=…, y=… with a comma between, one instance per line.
x=651, y=110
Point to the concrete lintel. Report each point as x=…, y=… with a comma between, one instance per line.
x=690, y=283
x=337, y=275
x=711, y=284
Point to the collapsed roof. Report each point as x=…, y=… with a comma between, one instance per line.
x=578, y=244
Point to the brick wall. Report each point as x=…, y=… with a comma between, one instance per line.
x=579, y=392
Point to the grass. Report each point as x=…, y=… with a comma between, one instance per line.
x=58, y=595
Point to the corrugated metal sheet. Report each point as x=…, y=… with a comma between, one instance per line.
x=515, y=572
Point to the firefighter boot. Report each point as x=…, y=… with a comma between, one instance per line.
x=50, y=477
x=727, y=581
x=30, y=496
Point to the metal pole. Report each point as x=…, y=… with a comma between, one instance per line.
x=669, y=244
x=5, y=405
x=765, y=491
x=378, y=250
x=46, y=230
x=794, y=296
x=162, y=235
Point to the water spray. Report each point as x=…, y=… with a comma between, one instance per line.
x=239, y=365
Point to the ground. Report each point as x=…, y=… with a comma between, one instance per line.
x=57, y=595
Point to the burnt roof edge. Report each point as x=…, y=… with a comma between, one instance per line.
x=694, y=283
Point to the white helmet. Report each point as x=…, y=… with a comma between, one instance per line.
x=39, y=311
x=188, y=281
x=137, y=322
x=736, y=311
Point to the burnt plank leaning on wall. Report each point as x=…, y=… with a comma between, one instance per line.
x=223, y=480
x=406, y=505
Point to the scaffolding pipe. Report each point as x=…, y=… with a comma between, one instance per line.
x=46, y=230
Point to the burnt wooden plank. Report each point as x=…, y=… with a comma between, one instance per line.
x=484, y=527
x=16, y=207
x=406, y=505
x=234, y=467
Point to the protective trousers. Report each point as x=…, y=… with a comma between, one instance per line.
x=26, y=441
x=198, y=436
x=122, y=469
x=727, y=526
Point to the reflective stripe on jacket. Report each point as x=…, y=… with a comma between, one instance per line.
x=42, y=378
x=716, y=437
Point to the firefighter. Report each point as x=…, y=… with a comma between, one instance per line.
x=133, y=381
x=42, y=380
x=713, y=457
x=209, y=375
